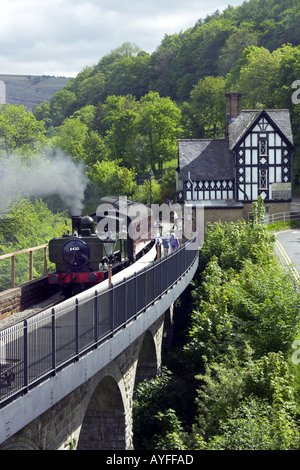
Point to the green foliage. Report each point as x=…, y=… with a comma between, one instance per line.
x=168, y=185
x=151, y=398
x=57, y=109
x=71, y=136
x=26, y=225
x=199, y=54
x=121, y=139
x=257, y=74
x=159, y=122
x=256, y=425
x=122, y=117
x=244, y=319
x=232, y=243
x=142, y=192
x=252, y=48
x=247, y=406
x=20, y=131
x=171, y=434
x=110, y=178
x=207, y=105
x=234, y=47
x=244, y=295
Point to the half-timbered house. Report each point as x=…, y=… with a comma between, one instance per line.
x=227, y=175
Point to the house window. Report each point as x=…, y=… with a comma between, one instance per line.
x=262, y=147
x=263, y=179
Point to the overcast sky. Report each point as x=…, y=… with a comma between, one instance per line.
x=61, y=37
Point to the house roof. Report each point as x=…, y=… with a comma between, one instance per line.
x=247, y=119
x=207, y=159
x=204, y=159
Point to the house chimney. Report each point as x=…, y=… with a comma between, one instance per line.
x=233, y=107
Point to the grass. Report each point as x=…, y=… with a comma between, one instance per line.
x=283, y=225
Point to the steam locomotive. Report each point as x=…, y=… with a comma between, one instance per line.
x=117, y=235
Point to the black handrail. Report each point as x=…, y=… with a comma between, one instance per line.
x=49, y=341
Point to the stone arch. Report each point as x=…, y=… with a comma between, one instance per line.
x=19, y=443
x=147, y=366
x=104, y=422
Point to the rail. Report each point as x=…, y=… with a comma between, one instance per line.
x=41, y=345
x=281, y=217
x=27, y=250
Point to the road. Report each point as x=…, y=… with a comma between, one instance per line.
x=288, y=247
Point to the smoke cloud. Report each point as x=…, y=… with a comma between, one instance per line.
x=56, y=174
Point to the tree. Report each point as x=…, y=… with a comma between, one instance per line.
x=127, y=49
x=288, y=73
x=20, y=131
x=74, y=138
x=86, y=114
x=121, y=137
x=113, y=107
x=234, y=47
x=254, y=74
x=152, y=414
x=61, y=106
x=142, y=192
x=199, y=54
x=27, y=224
x=91, y=90
x=159, y=123
x=161, y=65
x=110, y=178
x=171, y=435
x=128, y=76
x=71, y=137
x=247, y=405
x=207, y=106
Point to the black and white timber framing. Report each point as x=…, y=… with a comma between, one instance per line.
x=254, y=159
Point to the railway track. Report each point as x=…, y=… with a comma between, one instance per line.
x=33, y=310
x=59, y=297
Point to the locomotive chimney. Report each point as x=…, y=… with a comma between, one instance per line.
x=233, y=107
x=76, y=224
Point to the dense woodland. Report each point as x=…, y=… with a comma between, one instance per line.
x=124, y=115
x=232, y=382
x=115, y=122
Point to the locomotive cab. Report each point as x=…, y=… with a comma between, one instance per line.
x=77, y=257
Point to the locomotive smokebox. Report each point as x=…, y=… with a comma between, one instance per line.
x=76, y=224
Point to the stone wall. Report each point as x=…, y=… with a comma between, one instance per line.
x=19, y=298
x=222, y=215
x=212, y=215
x=272, y=208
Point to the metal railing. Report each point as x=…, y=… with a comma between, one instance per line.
x=281, y=217
x=278, y=217
x=30, y=252
x=36, y=348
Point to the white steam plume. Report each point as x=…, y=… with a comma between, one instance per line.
x=56, y=174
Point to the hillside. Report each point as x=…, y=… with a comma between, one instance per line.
x=31, y=90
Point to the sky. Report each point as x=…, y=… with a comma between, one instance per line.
x=62, y=37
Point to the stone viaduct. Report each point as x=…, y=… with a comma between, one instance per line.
x=88, y=404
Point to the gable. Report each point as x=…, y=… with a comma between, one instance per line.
x=277, y=120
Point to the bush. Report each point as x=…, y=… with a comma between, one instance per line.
x=28, y=224
x=244, y=319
